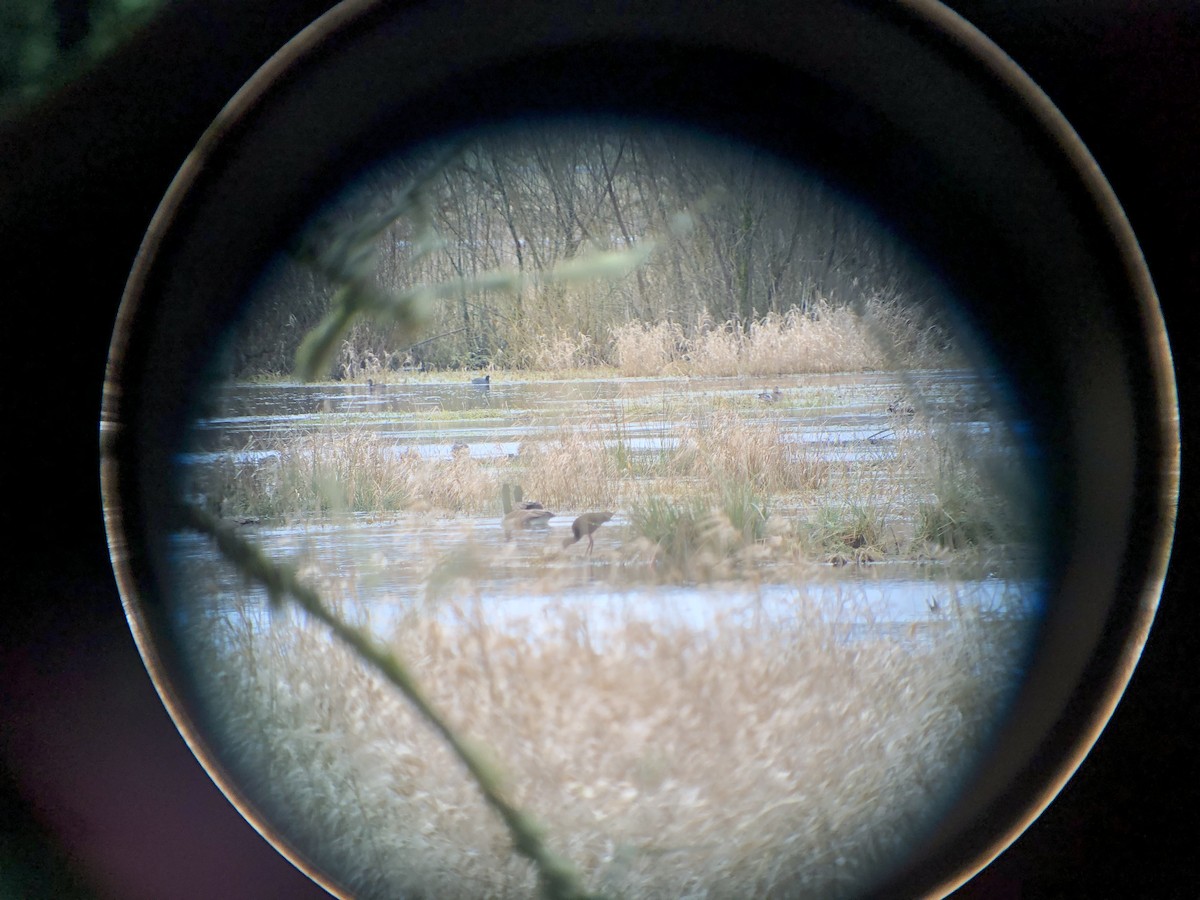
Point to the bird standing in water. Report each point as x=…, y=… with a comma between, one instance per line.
x=584, y=526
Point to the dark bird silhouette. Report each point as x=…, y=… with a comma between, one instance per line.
x=485, y=381
x=901, y=407
x=522, y=514
x=770, y=396
x=584, y=526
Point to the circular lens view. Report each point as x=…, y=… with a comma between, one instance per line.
x=603, y=508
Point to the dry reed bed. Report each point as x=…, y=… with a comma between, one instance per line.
x=722, y=447
x=576, y=465
x=823, y=339
x=758, y=758
x=925, y=493
x=876, y=333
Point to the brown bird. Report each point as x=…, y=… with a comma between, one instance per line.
x=519, y=501
x=584, y=526
x=521, y=515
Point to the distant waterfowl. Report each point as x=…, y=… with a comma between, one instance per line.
x=521, y=513
x=459, y=448
x=770, y=396
x=485, y=381
x=901, y=407
x=524, y=518
x=584, y=526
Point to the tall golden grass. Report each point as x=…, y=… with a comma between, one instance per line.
x=724, y=447
x=922, y=494
x=763, y=755
x=759, y=757
x=347, y=468
x=306, y=473
x=821, y=339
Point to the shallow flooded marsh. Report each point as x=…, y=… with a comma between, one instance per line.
x=640, y=517
x=775, y=663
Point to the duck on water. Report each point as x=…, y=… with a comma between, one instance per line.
x=520, y=513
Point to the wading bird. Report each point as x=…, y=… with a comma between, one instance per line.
x=584, y=526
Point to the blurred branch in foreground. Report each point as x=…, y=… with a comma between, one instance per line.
x=559, y=880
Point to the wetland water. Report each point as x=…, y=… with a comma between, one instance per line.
x=834, y=410
x=384, y=569
x=799, y=704
x=382, y=562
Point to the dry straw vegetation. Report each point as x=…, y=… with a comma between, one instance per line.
x=779, y=749
x=709, y=465
x=764, y=757
x=821, y=339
